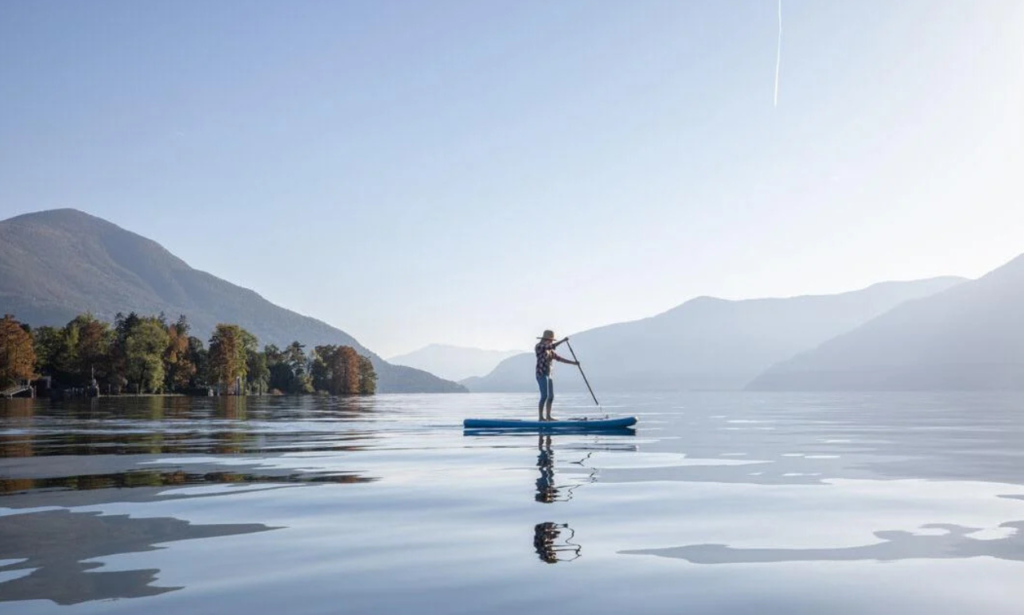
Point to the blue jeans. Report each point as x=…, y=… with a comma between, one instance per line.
x=547, y=389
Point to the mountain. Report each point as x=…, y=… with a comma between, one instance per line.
x=453, y=362
x=57, y=264
x=709, y=343
x=970, y=337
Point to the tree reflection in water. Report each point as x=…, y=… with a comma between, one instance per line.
x=57, y=554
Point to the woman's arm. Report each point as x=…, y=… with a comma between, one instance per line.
x=558, y=358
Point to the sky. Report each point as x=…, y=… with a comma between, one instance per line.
x=472, y=173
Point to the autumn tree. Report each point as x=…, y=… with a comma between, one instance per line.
x=229, y=350
x=179, y=369
x=349, y=370
x=339, y=371
x=17, y=355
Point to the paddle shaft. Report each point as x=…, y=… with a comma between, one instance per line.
x=596, y=403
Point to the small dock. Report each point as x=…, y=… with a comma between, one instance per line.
x=20, y=390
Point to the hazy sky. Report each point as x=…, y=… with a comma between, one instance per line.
x=474, y=172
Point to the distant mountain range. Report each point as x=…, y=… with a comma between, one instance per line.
x=708, y=343
x=941, y=333
x=453, y=362
x=968, y=337
x=57, y=264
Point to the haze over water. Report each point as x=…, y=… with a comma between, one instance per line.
x=717, y=503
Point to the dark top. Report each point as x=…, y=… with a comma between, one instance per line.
x=545, y=352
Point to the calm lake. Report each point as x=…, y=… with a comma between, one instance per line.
x=717, y=503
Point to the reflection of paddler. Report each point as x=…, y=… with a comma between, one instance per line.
x=544, y=537
x=547, y=492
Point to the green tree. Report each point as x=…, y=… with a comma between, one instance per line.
x=320, y=370
x=280, y=374
x=17, y=355
x=258, y=374
x=290, y=368
x=124, y=327
x=200, y=357
x=298, y=362
x=144, y=349
x=72, y=353
x=88, y=349
x=48, y=343
x=67, y=356
x=367, y=377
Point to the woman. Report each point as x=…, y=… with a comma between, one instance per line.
x=545, y=351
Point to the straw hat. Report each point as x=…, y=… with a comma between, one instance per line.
x=548, y=335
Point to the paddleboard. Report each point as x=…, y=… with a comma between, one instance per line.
x=574, y=424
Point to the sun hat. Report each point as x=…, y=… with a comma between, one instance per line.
x=548, y=335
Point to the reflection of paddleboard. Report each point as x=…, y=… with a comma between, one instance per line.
x=570, y=424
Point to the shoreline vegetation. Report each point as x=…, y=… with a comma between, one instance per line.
x=149, y=355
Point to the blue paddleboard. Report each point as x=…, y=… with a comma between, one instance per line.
x=573, y=424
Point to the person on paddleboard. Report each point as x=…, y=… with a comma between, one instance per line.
x=545, y=351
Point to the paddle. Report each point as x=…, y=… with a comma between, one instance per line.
x=596, y=403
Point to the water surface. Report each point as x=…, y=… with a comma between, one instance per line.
x=716, y=503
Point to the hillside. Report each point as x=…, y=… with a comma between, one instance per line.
x=56, y=264
x=709, y=343
x=970, y=337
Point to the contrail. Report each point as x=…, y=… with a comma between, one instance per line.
x=778, y=57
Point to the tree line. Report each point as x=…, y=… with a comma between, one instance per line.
x=149, y=354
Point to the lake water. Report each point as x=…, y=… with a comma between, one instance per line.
x=717, y=503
